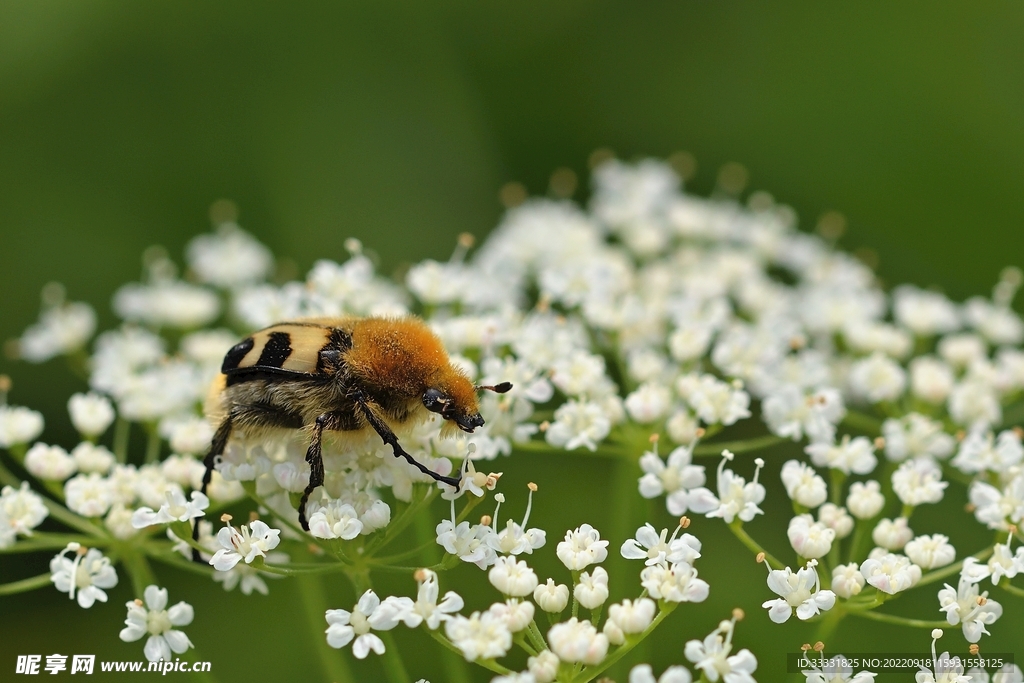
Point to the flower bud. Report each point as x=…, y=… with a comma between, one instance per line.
x=544, y=666
x=892, y=534
x=810, y=539
x=49, y=462
x=592, y=590
x=847, y=580
x=91, y=414
x=633, y=616
x=551, y=597
x=836, y=518
x=865, y=499
x=512, y=577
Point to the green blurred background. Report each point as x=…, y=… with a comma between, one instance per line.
x=397, y=123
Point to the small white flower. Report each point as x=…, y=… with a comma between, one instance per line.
x=247, y=579
x=855, y=456
x=334, y=520
x=890, y=573
x=174, y=509
x=808, y=538
x=481, y=635
x=923, y=312
x=980, y=451
x=517, y=614
x=92, y=458
x=676, y=583
x=717, y=402
x=681, y=480
x=62, y=328
x=22, y=509
x=190, y=436
x=836, y=518
x=847, y=580
x=581, y=548
x=516, y=539
x=865, y=500
x=245, y=543
x=736, y=498
x=228, y=257
x=592, y=590
x=633, y=616
x=919, y=481
x=19, y=425
x=642, y=673
x=964, y=605
x=427, y=610
x=931, y=379
x=712, y=657
x=792, y=413
x=578, y=373
x=512, y=577
x=658, y=549
x=544, y=666
x=88, y=494
x=945, y=669
x=91, y=414
x=49, y=462
x=914, y=436
x=157, y=621
x=87, y=574
x=578, y=641
x=930, y=552
x=469, y=543
x=878, y=378
x=800, y=591
x=551, y=597
x=344, y=626
x=993, y=506
x=803, y=485
x=650, y=402
x=892, y=534
x=1003, y=562
x=578, y=424
x=975, y=404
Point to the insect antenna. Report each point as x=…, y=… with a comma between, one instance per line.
x=496, y=388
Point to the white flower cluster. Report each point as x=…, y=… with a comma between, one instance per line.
x=651, y=316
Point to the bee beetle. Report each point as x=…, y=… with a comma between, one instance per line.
x=348, y=375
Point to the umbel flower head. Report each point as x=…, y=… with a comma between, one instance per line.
x=650, y=321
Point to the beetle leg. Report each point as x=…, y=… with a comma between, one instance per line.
x=390, y=439
x=316, y=462
x=220, y=441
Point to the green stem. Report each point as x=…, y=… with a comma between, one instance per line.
x=838, y=477
x=173, y=559
x=744, y=446
x=53, y=542
x=394, y=668
x=863, y=422
x=311, y=594
x=952, y=569
x=590, y=673
x=25, y=584
x=138, y=570
x=736, y=527
x=1012, y=590
x=122, y=430
x=152, y=443
x=488, y=664
x=902, y=621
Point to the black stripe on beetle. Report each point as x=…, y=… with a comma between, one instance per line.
x=236, y=354
x=276, y=350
